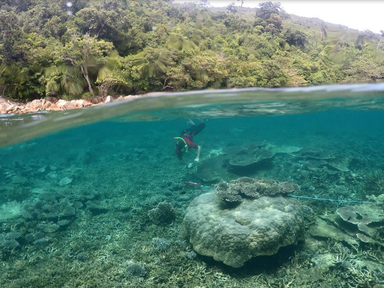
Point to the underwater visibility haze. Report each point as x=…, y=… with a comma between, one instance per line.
x=96, y=197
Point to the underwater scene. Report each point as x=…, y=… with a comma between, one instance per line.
x=222, y=188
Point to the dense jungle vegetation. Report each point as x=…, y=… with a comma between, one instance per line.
x=99, y=47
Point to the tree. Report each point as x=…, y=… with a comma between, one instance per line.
x=296, y=37
x=10, y=35
x=365, y=69
x=206, y=69
x=152, y=62
x=232, y=7
x=63, y=80
x=111, y=76
x=98, y=22
x=270, y=12
x=85, y=53
x=266, y=10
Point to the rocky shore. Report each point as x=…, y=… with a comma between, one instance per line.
x=53, y=104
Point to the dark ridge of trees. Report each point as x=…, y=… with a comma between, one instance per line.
x=117, y=47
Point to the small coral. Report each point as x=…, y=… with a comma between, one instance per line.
x=226, y=194
x=8, y=244
x=161, y=244
x=238, y=189
x=164, y=213
x=190, y=255
x=136, y=270
x=288, y=187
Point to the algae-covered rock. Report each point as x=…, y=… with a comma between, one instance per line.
x=252, y=228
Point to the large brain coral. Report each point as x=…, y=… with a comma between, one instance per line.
x=254, y=227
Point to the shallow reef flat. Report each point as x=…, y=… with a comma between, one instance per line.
x=107, y=210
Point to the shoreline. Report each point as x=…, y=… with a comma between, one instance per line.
x=55, y=104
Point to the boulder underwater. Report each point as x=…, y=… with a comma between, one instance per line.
x=257, y=221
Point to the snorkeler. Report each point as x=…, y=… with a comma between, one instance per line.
x=185, y=141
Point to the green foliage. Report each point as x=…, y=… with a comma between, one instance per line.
x=118, y=47
x=295, y=38
x=63, y=80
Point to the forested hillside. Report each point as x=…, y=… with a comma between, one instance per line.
x=99, y=47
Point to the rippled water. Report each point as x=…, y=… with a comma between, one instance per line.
x=198, y=104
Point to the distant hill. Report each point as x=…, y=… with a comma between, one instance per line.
x=128, y=47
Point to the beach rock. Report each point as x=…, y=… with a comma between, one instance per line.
x=54, y=104
x=3, y=105
x=36, y=104
x=252, y=228
x=109, y=99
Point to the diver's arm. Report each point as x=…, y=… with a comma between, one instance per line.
x=197, y=159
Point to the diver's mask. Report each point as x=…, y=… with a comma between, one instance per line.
x=185, y=148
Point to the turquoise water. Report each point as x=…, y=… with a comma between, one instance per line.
x=77, y=188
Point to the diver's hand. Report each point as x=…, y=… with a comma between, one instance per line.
x=190, y=165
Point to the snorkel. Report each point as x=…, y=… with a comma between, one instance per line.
x=185, y=148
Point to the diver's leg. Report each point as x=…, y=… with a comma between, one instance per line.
x=197, y=128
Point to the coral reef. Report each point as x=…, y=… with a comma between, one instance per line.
x=314, y=153
x=243, y=160
x=363, y=216
x=254, y=227
x=87, y=233
x=246, y=158
x=239, y=189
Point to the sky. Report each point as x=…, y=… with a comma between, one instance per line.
x=361, y=15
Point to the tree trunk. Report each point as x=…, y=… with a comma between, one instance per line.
x=86, y=76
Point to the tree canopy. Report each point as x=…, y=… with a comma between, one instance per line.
x=117, y=47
